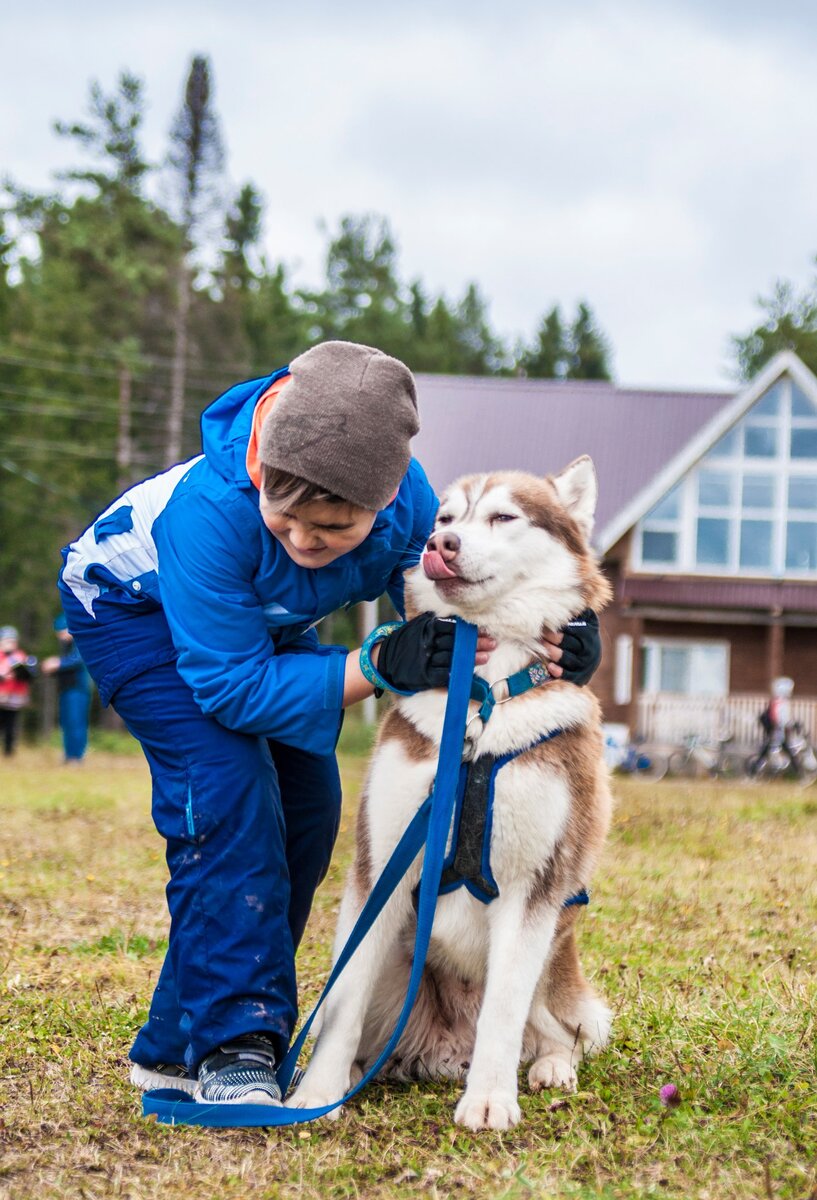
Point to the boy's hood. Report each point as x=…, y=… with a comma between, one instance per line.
x=226, y=426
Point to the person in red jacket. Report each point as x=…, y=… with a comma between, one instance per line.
x=17, y=669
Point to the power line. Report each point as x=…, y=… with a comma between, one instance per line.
x=199, y=365
x=32, y=477
x=87, y=373
x=63, y=448
x=93, y=402
x=40, y=410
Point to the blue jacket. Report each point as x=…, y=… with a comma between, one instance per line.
x=189, y=550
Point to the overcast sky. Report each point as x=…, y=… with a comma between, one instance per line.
x=656, y=158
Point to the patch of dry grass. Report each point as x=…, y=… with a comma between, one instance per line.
x=701, y=933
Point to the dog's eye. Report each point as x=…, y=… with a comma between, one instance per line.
x=503, y=517
x=445, y=519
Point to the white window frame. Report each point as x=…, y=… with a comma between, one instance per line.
x=782, y=468
x=670, y=643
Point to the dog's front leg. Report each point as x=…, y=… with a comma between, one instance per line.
x=519, y=944
x=327, y=1077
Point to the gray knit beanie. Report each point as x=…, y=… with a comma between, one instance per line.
x=344, y=422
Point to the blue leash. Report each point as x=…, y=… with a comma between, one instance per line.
x=430, y=828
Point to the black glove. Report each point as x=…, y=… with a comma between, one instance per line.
x=581, y=648
x=417, y=656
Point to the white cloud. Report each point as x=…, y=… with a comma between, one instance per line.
x=654, y=158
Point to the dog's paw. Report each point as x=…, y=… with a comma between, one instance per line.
x=553, y=1071
x=488, y=1110
x=312, y=1096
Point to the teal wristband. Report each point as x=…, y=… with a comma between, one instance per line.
x=368, y=668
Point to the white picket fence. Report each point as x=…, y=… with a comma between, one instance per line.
x=668, y=718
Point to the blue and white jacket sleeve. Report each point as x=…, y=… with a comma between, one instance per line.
x=207, y=558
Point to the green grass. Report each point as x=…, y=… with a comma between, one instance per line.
x=701, y=934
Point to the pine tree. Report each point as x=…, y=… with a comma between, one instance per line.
x=196, y=159
x=363, y=297
x=589, y=350
x=547, y=358
x=789, y=323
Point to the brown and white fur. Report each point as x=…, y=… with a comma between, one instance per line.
x=502, y=982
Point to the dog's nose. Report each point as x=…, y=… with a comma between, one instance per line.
x=446, y=544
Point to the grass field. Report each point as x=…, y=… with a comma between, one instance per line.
x=701, y=933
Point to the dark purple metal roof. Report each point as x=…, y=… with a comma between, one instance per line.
x=540, y=425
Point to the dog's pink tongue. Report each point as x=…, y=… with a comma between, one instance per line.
x=435, y=567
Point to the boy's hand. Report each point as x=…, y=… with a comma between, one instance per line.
x=575, y=649
x=418, y=655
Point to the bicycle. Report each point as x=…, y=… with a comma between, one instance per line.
x=701, y=757
x=794, y=758
x=644, y=762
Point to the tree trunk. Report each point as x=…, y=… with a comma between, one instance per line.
x=124, y=440
x=175, y=412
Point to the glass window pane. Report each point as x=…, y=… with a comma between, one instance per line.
x=804, y=443
x=708, y=674
x=674, y=668
x=803, y=491
x=713, y=541
x=728, y=446
x=760, y=441
x=714, y=489
x=658, y=547
x=668, y=508
x=801, y=406
x=758, y=491
x=801, y=545
x=769, y=404
x=756, y=544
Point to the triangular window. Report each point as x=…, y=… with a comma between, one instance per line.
x=749, y=507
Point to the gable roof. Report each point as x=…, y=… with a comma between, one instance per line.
x=476, y=424
x=641, y=440
x=689, y=454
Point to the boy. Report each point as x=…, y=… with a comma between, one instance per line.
x=192, y=600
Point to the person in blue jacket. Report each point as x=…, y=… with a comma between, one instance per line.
x=193, y=601
x=74, y=686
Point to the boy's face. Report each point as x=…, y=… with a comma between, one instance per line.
x=315, y=534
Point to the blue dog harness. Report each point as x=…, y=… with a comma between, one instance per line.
x=428, y=832
x=468, y=864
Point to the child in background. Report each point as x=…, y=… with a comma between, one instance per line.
x=74, y=685
x=17, y=669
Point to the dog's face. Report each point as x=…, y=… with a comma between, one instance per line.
x=511, y=552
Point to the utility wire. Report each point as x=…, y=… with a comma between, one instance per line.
x=89, y=373
x=75, y=451
x=196, y=364
x=32, y=477
x=92, y=402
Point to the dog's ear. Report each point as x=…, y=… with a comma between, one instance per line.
x=577, y=489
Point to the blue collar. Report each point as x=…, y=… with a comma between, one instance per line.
x=531, y=676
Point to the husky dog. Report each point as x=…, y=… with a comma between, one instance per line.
x=502, y=983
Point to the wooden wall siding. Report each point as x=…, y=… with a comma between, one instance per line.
x=800, y=659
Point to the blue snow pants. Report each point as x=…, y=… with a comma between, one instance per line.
x=75, y=704
x=250, y=825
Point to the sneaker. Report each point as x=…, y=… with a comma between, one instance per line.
x=239, y=1072
x=163, y=1075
